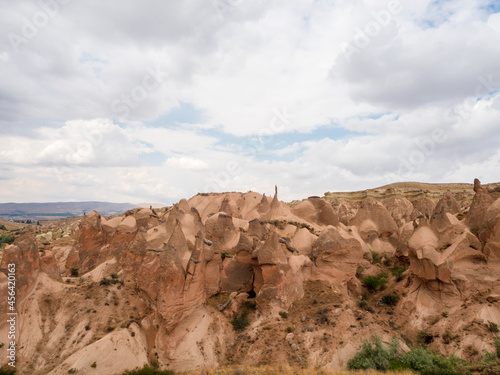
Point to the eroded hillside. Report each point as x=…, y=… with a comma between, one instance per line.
x=235, y=278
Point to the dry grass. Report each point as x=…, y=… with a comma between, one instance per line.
x=269, y=370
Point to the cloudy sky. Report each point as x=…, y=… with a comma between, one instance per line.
x=153, y=101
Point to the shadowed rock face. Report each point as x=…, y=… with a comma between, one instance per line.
x=165, y=284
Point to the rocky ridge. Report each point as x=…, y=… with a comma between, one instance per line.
x=239, y=278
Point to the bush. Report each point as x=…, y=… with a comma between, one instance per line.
x=420, y=359
x=7, y=238
x=375, y=256
x=493, y=327
x=104, y=281
x=148, y=370
x=6, y=370
x=374, y=356
x=374, y=283
x=72, y=371
x=397, y=272
x=425, y=337
x=391, y=299
x=283, y=314
x=74, y=272
x=2, y=227
x=240, y=321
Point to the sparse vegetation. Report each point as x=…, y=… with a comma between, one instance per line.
x=364, y=305
x=359, y=272
x=390, y=299
x=496, y=343
x=6, y=370
x=224, y=255
x=94, y=364
x=240, y=320
x=114, y=276
x=374, y=283
x=289, y=329
x=493, y=327
x=474, y=230
x=148, y=370
x=2, y=227
x=425, y=338
x=444, y=314
x=397, y=272
x=375, y=256
x=72, y=371
x=74, y=272
x=283, y=314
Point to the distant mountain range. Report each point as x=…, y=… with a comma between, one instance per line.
x=42, y=211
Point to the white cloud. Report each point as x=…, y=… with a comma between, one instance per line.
x=83, y=103
x=186, y=163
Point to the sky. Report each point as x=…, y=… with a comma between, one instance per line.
x=155, y=101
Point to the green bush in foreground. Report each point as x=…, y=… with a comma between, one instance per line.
x=148, y=370
x=373, y=355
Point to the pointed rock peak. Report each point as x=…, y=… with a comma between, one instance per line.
x=93, y=220
x=264, y=205
x=447, y=204
x=275, y=203
x=270, y=251
x=226, y=206
x=477, y=185
x=183, y=205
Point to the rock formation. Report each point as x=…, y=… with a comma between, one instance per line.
x=171, y=285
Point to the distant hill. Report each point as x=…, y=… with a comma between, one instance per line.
x=43, y=211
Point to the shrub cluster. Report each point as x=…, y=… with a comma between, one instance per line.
x=240, y=320
x=148, y=370
x=391, y=299
x=374, y=283
x=7, y=238
x=373, y=355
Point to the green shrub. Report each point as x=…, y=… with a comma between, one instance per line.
x=104, y=281
x=94, y=364
x=7, y=370
x=364, y=305
x=224, y=255
x=374, y=283
x=289, y=329
x=7, y=238
x=397, y=272
x=74, y=272
x=375, y=256
x=114, y=276
x=249, y=305
x=489, y=357
x=148, y=370
x=2, y=227
x=72, y=371
x=391, y=299
x=240, y=321
x=375, y=356
x=283, y=314
x=425, y=337
x=493, y=327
